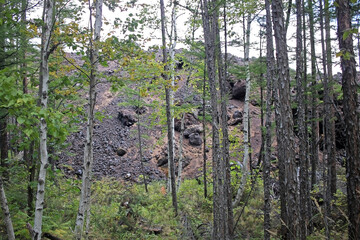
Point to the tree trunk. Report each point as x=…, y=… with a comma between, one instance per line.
x=173, y=41
x=180, y=151
x=314, y=148
x=84, y=204
x=284, y=130
x=350, y=105
x=204, y=133
x=225, y=155
x=31, y=167
x=221, y=216
x=270, y=76
x=327, y=131
x=6, y=212
x=168, y=113
x=140, y=142
x=44, y=78
x=301, y=84
x=246, y=130
x=329, y=109
x=308, y=204
x=3, y=111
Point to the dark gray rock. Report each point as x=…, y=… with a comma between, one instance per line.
x=235, y=121
x=195, y=139
x=126, y=118
x=237, y=114
x=239, y=90
x=121, y=152
x=193, y=129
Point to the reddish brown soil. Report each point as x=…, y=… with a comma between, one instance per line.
x=110, y=134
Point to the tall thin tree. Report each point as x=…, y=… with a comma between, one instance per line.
x=221, y=217
x=44, y=81
x=284, y=130
x=84, y=204
x=170, y=133
x=351, y=116
x=270, y=76
x=301, y=119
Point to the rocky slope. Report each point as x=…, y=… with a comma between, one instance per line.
x=116, y=143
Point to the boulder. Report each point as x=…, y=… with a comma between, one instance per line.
x=140, y=110
x=189, y=120
x=237, y=114
x=195, y=139
x=126, y=118
x=239, y=90
x=235, y=121
x=121, y=152
x=193, y=129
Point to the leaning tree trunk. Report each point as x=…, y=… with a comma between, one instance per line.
x=284, y=130
x=44, y=77
x=350, y=105
x=6, y=212
x=84, y=204
x=171, y=161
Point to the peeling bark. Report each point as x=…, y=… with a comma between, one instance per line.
x=44, y=80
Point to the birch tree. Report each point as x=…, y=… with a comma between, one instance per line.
x=6, y=212
x=170, y=132
x=84, y=204
x=245, y=111
x=44, y=80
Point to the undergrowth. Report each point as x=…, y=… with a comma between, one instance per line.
x=123, y=210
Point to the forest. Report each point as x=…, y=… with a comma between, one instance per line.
x=179, y=119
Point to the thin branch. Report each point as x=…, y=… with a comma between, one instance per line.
x=78, y=68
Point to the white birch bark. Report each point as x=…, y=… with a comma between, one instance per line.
x=180, y=152
x=44, y=78
x=168, y=112
x=84, y=204
x=6, y=212
x=173, y=40
x=245, y=163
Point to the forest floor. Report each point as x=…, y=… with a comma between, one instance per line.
x=111, y=134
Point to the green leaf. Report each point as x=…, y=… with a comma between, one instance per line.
x=339, y=54
x=20, y=120
x=28, y=132
x=348, y=32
